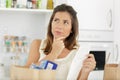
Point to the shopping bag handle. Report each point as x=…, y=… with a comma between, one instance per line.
x=108, y=57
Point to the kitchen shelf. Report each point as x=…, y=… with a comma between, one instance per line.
x=25, y=10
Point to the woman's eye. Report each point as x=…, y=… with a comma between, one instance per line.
x=56, y=20
x=66, y=22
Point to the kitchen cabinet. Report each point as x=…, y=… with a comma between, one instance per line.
x=94, y=14
x=117, y=27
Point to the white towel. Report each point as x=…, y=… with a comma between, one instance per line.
x=77, y=62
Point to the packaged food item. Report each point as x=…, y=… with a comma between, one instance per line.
x=44, y=4
x=21, y=3
x=29, y=4
x=2, y=71
x=39, y=4
x=45, y=64
x=14, y=3
x=50, y=4
x=34, y=2
x=8, y=3
x=2, y=3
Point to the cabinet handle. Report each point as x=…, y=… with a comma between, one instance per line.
x=117, y=52
x=110, y=24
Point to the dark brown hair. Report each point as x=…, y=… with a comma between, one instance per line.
x=71, y=40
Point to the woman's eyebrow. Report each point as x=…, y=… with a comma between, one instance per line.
x=66, y=20
x=56, y=18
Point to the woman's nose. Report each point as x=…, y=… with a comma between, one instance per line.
x=60, y=25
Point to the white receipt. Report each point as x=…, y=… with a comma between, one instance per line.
x=77, y=62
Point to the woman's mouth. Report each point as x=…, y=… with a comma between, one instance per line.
x=58, y=33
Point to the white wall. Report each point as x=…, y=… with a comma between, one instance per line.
x=22, y=23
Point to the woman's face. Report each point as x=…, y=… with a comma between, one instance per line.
x=61, y=25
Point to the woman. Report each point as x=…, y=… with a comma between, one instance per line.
x=61, y=44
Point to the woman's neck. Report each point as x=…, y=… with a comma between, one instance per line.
x=64, y=53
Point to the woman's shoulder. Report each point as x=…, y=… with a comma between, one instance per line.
x=35, y=41
x=38, y=42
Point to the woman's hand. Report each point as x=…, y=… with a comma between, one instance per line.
x=89, y=63
x=57, y=46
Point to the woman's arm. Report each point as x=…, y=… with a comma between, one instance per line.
x=88, y=65
x=57, y=48
x=33, y=53
x=83, y=75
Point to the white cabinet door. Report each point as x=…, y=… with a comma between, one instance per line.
x=94, y=14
